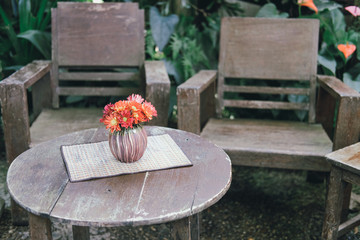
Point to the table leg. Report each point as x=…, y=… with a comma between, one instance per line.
x=333, y=206
x=187, y=228
x=81, y=233
x=19, y=216
x=40, y=227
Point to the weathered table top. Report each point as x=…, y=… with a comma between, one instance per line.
x=347, y=158
x=38, y=181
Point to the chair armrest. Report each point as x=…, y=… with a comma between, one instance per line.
x=14, y=105
x=158, y=90
x=335, y=97
x=196, y=101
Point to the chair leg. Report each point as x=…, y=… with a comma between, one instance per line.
x=346, y=202
x=19, y=216
x=334, y=202
x=187, y=228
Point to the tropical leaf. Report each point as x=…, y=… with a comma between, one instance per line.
x=41, y=40
x=324, y=4
x=10, y=30
x=328, y=61
x=162, y=27
x=269, y=10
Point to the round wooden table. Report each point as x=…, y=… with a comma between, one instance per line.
x=38, y=182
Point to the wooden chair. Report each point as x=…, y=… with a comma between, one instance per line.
x=345, y=170
x=97, y=50
x=270, y=54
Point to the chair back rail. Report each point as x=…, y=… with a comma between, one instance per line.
x=97, y=43
x=289, y=58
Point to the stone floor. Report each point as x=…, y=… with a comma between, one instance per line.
x=261, y=204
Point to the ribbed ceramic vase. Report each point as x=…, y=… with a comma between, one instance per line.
x=129, y=145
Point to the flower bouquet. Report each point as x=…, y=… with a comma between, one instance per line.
x=124, y=119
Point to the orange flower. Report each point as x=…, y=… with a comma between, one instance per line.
x=347, y=49
x=136, y=110
x=309, y=4
x=120, y=106
x=126, y=120
x=149, y=110
x=112, y=122
x=127, y=114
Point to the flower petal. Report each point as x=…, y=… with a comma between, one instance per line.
x=309, y=4
x=346, y=49
x=354, y=10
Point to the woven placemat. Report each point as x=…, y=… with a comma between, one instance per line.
x=95, y=160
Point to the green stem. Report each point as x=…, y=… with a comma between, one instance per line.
x=299, y=11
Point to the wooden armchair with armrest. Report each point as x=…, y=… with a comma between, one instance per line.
x=97, y=50
x=270, y=55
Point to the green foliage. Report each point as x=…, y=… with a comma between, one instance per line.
x=162, y=27
x=186, y=50
x=269, y=10
x=334, y=31
x=26, y=37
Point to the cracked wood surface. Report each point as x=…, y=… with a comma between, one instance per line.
x=38, y=181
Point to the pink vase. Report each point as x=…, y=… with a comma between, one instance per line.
x=129, y=145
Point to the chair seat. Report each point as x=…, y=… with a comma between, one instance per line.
x=53, y=123
x=267, y=143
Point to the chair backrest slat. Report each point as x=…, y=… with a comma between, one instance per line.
x=97, y=91
x=276, y=50
x=256, y=104
x=97, y=43
x=102, y=76
x=108, y=34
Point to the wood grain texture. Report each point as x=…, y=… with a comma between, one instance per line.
x=281, y=55
x=265, y=104
x=347, y=158
x=54, y=57
x=15, y=116
x=276, y=144
x=41, y=95
x=186, y=228
x=247, y=58
x=135, y=199
x=336, y=87
x=333, y=205
x=99, y=76
x=158, y=90
x=40, y=171
x=28, y=74
x=97, y=91
x=40, y=228
x=55, y=123
x=84, y=35
x=99, y=34
x=348, y=225
x=344, y=172
x=14, y=101
x=347, y=129
x=325, y=111
x=189, y=100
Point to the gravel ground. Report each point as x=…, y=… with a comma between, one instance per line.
x=260, y=204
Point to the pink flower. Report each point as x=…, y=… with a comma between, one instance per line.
x=135, y=97
x=354, y=10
